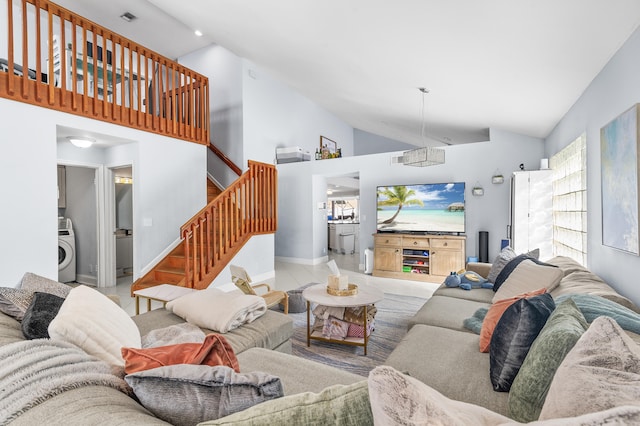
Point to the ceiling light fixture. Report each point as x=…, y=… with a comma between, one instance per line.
x=81, y=141
x=198, y=33
x=128, y=16
x=426, y=155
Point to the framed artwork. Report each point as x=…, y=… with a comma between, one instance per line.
x=619, y=167
x=328, y=148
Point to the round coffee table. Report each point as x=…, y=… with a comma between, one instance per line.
x=318, y=294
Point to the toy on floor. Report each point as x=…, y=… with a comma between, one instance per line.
x=467, y=280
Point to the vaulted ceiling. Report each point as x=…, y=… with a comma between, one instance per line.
x=518, y=65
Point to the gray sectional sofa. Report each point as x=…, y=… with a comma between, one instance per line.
x=438, y=352
x=441, y=352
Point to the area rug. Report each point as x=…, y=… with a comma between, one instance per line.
x=391, y=326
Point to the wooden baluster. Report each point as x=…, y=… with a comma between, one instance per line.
x=25, y=53
x=139, y=87
x=38, y=41
x=107, y=83
x=73, y=65
x=62, y=48
x=130, y=67
x=85, y=70
x=52, y=93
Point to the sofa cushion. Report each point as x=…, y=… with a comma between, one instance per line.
x=269, y=331
x=602, y=371
x=515, y=332
x=444, y=359
x=91, y=321
x=296, y=374
x=213, y=351
x=448, y=312
x=477, y=294
x=528, y=276
x=578, y=279
x=43, y=309
x=495, y=313
x=186, y=394
x=562, y=330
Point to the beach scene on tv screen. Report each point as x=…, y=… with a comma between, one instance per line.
x=421, y=208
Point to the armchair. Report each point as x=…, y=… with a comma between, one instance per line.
x=241, y=279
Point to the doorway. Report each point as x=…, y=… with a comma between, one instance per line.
x=122, y=180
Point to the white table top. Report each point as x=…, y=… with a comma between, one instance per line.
x=365, y=296
x=163, y=292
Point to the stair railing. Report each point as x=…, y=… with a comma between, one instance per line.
x=218, y=231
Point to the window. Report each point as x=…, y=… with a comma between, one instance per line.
x=570, y=201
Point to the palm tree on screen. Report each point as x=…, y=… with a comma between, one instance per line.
x=400, y=196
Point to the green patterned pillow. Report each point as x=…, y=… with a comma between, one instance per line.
x=529, y=389
x=341, y=405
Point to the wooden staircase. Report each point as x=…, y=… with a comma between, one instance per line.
x=215, y=234
x=212, y=191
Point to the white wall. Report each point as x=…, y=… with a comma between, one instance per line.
x=300, y=190
x=367, y=143
x=224, y=71
x=612, y=92
x=170, y=176
x=277, y=116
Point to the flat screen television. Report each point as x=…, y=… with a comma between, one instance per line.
x=430, y=208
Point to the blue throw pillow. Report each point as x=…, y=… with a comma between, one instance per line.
x=593, y=306
x=515, y=332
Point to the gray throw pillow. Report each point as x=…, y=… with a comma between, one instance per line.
x=561, y=332
x=505, y=255
x=513, y=336
x=14, y=301
x=42, y=310
x=33, y=283
x=186, y=394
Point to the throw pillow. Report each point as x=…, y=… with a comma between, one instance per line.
x=215, y=350
x=515, y=332
x=602, y=371
x=505, y=255
x=33, y=282
x=89, y=320
x=218, y=310
x=173, y=335
x=14, y=301
x=398, y=399
x=593, y=306
x=474, y=323
x=529, y=276
x=495, y=313
x=561, y=332
x=186, y=394
x=345, y=405
x=42, y=310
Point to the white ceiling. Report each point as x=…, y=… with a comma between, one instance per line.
x=518, y=65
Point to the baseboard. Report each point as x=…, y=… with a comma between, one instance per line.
x=301, y=261
x=159, y=257
x=87, y=279
x=215, y=182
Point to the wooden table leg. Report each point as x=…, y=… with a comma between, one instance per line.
x=148, y=304
x=308, y=324
x=137, y=305
x=366, y=326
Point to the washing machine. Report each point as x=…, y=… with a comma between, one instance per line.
x=66, y=251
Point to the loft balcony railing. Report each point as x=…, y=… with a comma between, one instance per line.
x=53, y=58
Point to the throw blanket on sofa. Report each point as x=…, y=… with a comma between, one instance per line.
x=33, y=371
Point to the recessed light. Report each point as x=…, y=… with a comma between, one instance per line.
x=81, y=141
x=128, y=16
x=198, y=33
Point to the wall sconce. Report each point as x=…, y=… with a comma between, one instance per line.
x=497, y=177
x=477, y=190
x=122, y=179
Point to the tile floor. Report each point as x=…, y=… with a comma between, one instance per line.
x=290, y=276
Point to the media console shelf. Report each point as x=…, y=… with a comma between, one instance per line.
x=417, y=257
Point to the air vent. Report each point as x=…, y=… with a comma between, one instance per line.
x=128, y=16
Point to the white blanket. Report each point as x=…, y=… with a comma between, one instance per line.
x=218, y=310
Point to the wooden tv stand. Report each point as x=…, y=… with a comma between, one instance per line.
x=418, y=257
